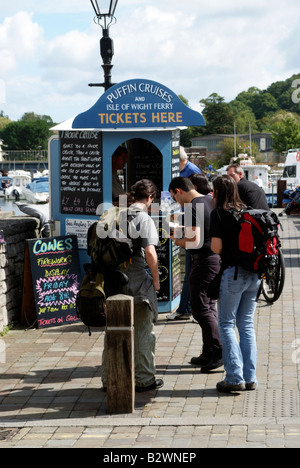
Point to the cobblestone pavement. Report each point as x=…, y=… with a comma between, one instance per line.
x=50, y=386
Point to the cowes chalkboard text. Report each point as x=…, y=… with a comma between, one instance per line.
x=55, y=280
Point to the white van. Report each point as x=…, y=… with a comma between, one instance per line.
x=291, y=171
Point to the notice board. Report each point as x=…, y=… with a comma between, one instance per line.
x=81, y=175
x=51, y=281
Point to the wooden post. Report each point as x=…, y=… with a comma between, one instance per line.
x=281, y=187
x=120, y=354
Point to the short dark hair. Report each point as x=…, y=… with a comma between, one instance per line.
x=182, y=183
x=201, y=182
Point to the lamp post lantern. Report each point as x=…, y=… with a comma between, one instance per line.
x=105, y=18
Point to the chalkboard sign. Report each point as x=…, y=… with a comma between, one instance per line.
x=168, y=267
x=51, y=281
x=81, y=172
x=163, y=255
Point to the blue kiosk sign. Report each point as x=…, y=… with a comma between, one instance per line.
x=138, y=104
x=146, y=117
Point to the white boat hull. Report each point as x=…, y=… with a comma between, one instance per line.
x=34, y=197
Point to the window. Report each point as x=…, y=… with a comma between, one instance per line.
x=289, y=171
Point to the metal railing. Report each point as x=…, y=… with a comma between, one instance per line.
x=34, y=155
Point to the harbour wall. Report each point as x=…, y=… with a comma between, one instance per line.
x=14, y=231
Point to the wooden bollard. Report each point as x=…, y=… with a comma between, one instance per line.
x=120, y=354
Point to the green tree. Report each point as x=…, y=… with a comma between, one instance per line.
x=260, y=102
x=286, y=134
x=4, y=120
x=218, y=115
x=26, y=135
x=284, y=93
x=32, y=117
x=243, y=116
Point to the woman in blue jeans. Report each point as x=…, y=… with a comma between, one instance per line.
x=238, y=293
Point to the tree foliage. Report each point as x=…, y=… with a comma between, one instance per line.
x=286, y=134
x=31, y=132
x=218, y=115
x=275, y=110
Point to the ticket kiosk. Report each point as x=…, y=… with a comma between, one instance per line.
x=146, y=118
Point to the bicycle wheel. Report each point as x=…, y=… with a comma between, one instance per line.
x=273, y=280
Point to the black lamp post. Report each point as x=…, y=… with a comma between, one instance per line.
x=105, y=18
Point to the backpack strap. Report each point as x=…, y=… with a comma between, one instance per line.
x=237, y=215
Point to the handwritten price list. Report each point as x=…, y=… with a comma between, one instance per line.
x=81, y=172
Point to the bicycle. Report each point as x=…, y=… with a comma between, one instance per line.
x=274, y=278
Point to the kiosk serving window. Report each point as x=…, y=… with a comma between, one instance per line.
x=144, y=162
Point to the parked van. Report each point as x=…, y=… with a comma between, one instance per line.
x=291, y=171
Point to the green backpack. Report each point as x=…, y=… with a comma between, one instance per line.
x=109, y=244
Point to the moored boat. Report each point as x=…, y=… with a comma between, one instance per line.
x=37, y=191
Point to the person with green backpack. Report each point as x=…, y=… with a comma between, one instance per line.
x=141, y=285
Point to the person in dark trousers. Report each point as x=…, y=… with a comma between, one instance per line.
x=184, y=311
x=205, y=267
x=142, y=286
x=250, y=193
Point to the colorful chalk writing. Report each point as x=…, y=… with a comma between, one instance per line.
x=55, y=278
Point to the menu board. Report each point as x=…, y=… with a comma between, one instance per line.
x=169, y=266
x=81, y=172
x=51, y=281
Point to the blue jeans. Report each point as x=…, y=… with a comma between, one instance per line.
x=236, y=307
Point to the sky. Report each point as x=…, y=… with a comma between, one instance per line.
x=49, y=51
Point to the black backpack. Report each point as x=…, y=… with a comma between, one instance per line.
x=258, y=239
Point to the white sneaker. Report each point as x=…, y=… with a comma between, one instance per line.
x=178, y=316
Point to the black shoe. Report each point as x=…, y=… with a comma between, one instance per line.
x=201, y=360
x=158, y=383
x=213, y=364
x=250, y=386
x=225, y=387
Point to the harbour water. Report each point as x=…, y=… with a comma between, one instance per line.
x=9, y=205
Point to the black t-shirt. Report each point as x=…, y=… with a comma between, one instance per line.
x=223, y=225
x=201, y=217
x=252, y=195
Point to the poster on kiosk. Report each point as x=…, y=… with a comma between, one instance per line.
x=146, y=118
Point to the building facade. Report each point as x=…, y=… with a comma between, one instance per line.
x=212, y=143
